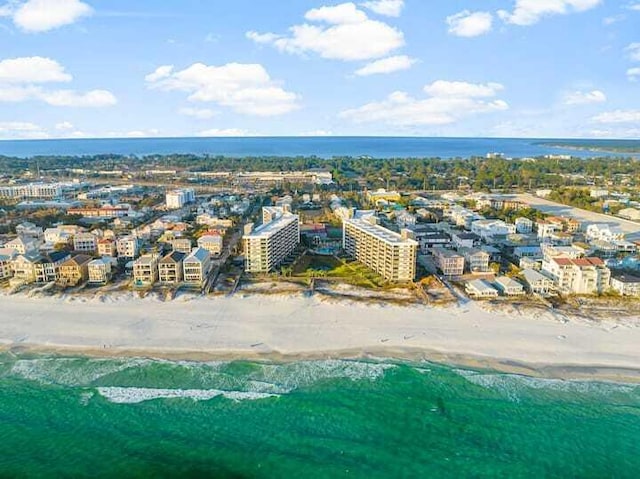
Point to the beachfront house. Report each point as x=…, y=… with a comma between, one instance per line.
x=537, y=282
x=74, y=270
x=128, y=247
x=578, y=276
x=196, y=266
x=449, y=262
x=170, y=268
x=509, y=286
x=6, y=261
x=100, y=270
x=46, y=266
x=625, y=284
x=145, y=270
x=24, y=267
x=480, y=289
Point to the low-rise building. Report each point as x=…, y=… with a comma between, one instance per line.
x=46, y=266
x=212, y=243
x=107, y=247
x=197, y=266
x=524, y=226
x=6, y=261
x=24, y=267
x=74, y=271
x=450, y=263
x=100, y=270
x=509, y=286
x=480, y=289
x=492, y=230
x=170, y=268
x=604, y=232
x=23, y=245
x=465, y=240
x=625, y=284
x=538, y=282
x=145, y=270
x=128, y=247
x=85, y=243
x=182, y=245
x=477, y=261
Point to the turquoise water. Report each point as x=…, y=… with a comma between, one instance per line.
x=75, y=417
x=323, y=147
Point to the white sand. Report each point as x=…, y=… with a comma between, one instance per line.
x=299, y=326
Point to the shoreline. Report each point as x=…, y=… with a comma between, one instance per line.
x=535, y=343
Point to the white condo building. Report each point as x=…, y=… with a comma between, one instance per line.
x=266, y=246
x=178, y=198
x=391, y=255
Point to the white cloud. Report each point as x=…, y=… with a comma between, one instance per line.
x=634, y=51
x=19, y=130
x=225, y=132
x=344, y=33
x=618, y=116
x=529, y=12
x=245, y=88
x=389, y=8
x=633, y=74
x=65, y=126
x=44, y=15
x=317, y=133
x=32, y=70
x=635, y=6
x=584, y=97
x=198, y=113
x=141, y=133
x=91, y=99
x=470, y=24
x=387, y=65
x=447, y=103
x=21, y=80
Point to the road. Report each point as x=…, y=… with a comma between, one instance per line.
x=630, y=228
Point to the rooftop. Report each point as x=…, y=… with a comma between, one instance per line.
x=363, y=221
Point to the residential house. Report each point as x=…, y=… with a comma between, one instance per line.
x=107, y=248
x=545, y=229
x=85, y=243
x=128, y=247
x=509, y=286
x=145, y=270
x=537, y=282
x=196, y=266
x=465, y=240
x=170, y=268
x=6, y=260
x=492, y=230
x=477, y=261
x=625, y=284
x=23, y=245
x=480, y=289
x=449, y=262
x=604, y=232
x=101, y=270
x=27, y=229
x=524, y=226
x=75, y=270
x=24, y=269
x=46, y=266
x=55, y=236
x=182, y=245
x=212, y=243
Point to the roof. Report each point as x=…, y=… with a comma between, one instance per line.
x=269, y=229
x=173, y=257
x=507, y=282
x=380, y=232
x=533, y=276
x=480, y=285
x=197, y=255
x=78, y=260
x=466, y=236
x=625, y=278
x=210, y=238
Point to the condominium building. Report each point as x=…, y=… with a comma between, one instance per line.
x=268, y=245
x=178, y=198
x=85, y=242
x=196, y=266
x=32, y=190
x=578, y=276
x=170, y=268
x=391, y=255
x=449, y=262
x=145, y=270
x=103, y=212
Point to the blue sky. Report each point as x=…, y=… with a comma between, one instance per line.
x=513, y=68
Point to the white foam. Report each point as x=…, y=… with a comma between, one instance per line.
x=137, y=395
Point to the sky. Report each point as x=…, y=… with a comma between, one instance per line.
x=479, y=68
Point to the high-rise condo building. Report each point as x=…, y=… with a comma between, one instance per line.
x=268, y=245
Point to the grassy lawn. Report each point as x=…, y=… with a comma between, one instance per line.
x=352, y=272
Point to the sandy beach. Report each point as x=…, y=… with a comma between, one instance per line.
x=294, y=327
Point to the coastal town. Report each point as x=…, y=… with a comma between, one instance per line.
x=218, y=233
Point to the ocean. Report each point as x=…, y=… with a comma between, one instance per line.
x=137, y=418
x=322, y=147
